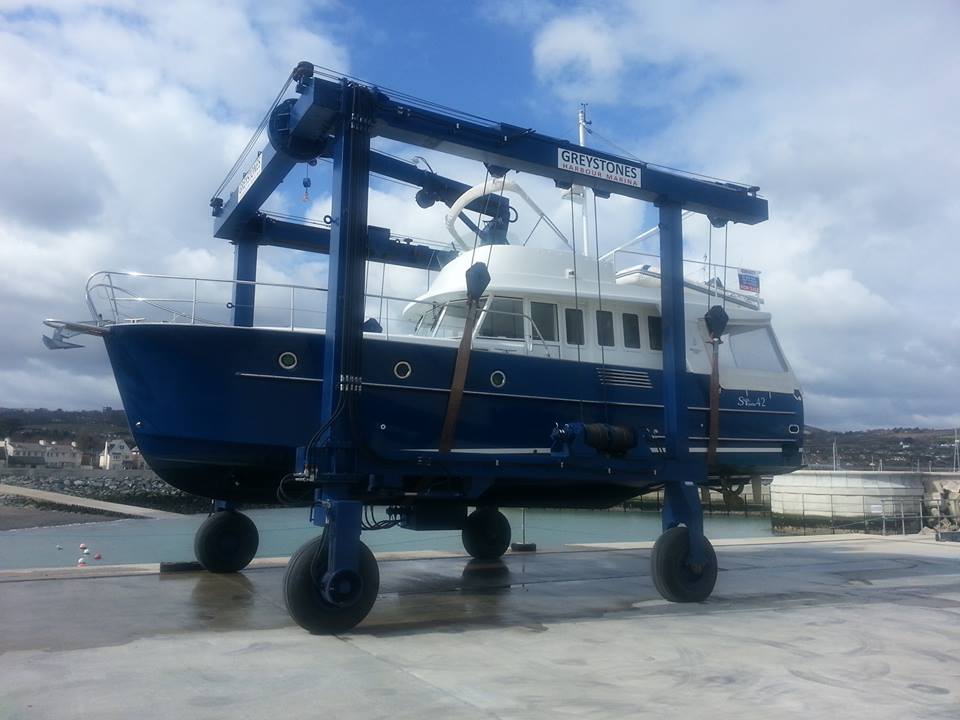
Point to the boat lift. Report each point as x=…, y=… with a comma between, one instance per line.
x=332, y=581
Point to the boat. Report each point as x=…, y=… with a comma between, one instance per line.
x=219, y=410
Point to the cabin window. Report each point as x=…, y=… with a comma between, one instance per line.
x=428, y=321
x=574, y=323
x=544, y=316
x=631, y=330
x=503, y=319
x=655, y=329
x=605, y=328
x=750, y=348
x=454, y=318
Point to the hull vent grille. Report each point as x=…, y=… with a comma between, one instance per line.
x=621, y=377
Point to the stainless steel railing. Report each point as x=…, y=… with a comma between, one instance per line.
x=120, y=297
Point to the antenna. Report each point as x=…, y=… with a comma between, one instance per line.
x=582, y=124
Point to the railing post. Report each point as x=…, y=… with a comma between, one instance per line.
x=293, y=291
x=193, y=311
x=113, y=298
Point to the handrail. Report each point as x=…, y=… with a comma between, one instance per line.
x=733, y=296
x=104, y=286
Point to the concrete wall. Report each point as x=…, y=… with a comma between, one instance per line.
x=855, y=501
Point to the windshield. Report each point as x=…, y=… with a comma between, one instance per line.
x=751, y=348
x=446, y=320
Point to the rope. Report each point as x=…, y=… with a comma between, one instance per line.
x=383, y=280
x=480, y=214
x=527, y=239
x=726, y=230
x=596, y=242
x=603, y=355
x=710, y=282
x=499, y=204
x=576, y=294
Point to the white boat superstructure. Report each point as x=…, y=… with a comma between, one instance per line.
x=566, y=306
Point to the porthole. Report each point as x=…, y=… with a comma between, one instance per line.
x=794, y=429
x=402, y=370
x=287, y=360
x=498, y=379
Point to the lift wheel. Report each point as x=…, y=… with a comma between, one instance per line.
x=303, y=591
x=226, y=542
x=486, y=533
x=673, y=577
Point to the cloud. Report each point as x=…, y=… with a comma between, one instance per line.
x=120, y=119
x=845, y=117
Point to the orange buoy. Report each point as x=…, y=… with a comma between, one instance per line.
x=83, y=546
x=98, y=556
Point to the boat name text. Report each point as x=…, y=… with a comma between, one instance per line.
x=760, y=402
x=598, y=167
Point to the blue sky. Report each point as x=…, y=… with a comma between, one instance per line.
x=121, y=118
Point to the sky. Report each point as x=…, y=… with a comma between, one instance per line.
x=121, y=118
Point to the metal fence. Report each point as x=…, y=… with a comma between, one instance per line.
x=808, y=513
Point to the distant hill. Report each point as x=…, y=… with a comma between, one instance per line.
x=898, y=448
x=88, y=428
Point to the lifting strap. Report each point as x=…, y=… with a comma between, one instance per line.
x=714, y=432
x=477, y=280
x=716, y=319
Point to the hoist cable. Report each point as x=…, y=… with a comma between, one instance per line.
x=726, y=230
x=576, y=297
x=603, y=356
x=710, y=282
x=256, y=135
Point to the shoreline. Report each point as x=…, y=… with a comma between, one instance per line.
x=22, y=514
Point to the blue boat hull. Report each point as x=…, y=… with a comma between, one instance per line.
x=216, y=415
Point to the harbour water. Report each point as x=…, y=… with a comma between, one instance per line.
x=283, y=530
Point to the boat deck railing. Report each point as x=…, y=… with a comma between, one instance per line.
x=713, y=282
x=123, y=297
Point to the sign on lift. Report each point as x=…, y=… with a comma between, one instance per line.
x=249, y=176
x=598, y=167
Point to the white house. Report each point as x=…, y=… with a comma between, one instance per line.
x=116, y=455
x=24, y=454
x=61, y=456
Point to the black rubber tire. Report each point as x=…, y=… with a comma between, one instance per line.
x=226, y=542
x=486, y=534
x=305, y=603
x=673, y=578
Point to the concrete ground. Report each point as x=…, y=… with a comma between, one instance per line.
x=851, y=627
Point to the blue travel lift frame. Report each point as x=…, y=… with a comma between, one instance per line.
x=338, y=118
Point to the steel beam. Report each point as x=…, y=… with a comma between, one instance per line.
x=345, y=294
x=674, y=340
x=500, y=145
x=265, y=230
x=244, y=295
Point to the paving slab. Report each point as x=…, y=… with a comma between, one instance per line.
x=854, y=628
